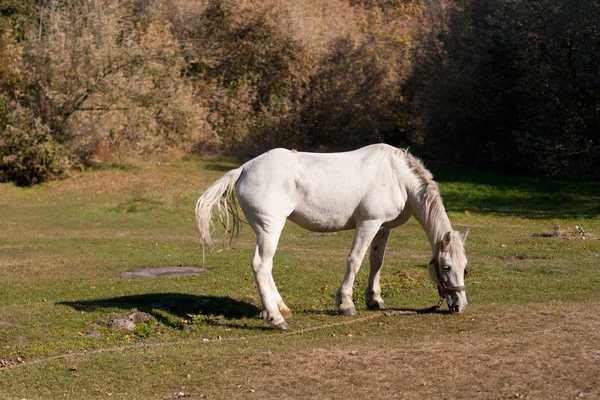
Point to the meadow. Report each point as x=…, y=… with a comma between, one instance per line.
x=531, y=330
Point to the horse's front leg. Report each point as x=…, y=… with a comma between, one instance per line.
x=373, y=291
x=365, y=233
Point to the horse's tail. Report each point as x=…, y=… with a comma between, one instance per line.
x=219, y=197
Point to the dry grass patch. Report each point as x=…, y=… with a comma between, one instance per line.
x=518, y=352
x=566, y=233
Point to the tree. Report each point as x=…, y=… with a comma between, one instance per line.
x=513, y=86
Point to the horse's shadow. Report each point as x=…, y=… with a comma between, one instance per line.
x=426, y=310
x=392, y=311
x=180, y=305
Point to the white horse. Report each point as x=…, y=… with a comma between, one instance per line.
x=372, y=190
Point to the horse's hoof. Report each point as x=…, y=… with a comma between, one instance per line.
x=375, y=305
x=348, y=312
x=283, y=326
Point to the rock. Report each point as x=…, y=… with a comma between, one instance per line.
x=139, y=316
x=94, y=334
x=122, y=324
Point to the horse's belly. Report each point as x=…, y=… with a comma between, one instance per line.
x=319, y=222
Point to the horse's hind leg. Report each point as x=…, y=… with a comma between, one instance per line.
x=283, y=308
x=262, y=266
x=373, y=291
x=362, y=238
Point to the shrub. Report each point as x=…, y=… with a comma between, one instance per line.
x=28, y=153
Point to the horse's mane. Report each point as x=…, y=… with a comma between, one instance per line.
x=434, y=212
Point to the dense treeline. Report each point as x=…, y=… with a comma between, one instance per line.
x=508, y=85
x=516, y=87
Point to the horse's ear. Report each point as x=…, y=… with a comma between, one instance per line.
x=463, y=236
x=446, y=240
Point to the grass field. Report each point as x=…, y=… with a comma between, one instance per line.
x=532, y=328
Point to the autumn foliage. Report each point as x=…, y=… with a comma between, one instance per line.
x=503, y=85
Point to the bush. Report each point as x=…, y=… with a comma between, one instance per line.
x=28, y=153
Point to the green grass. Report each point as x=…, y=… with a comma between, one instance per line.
x=64, y=246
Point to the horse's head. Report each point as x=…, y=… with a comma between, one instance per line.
x=448, y=269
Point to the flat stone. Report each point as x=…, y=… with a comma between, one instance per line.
x=157, y=272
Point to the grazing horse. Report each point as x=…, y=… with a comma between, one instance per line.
x=372, y=190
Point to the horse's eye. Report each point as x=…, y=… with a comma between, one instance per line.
x=447, y=268
x=466, y=272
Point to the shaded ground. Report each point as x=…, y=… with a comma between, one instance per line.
x=178, y=304
x=506, y=195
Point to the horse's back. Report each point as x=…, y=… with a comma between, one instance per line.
x=298, y=174
x=318, y=191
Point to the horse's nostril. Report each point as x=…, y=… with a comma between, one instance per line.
x=455, y=308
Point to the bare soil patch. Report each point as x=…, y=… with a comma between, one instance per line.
x=533, y=352
x=18, y=247
x=158, y=272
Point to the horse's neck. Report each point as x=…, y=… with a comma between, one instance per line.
x=429, y=210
